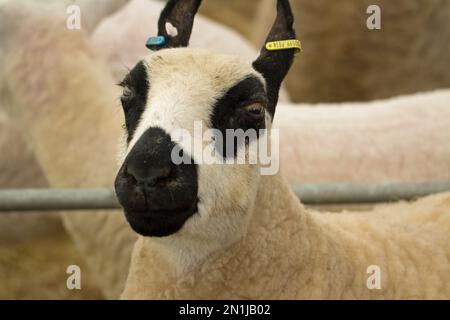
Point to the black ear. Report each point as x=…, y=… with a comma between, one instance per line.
x=179, y=15
x=274, y=65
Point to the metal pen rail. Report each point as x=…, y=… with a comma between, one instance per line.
x=28, y=200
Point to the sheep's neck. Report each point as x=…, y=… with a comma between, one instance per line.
x=280, y=233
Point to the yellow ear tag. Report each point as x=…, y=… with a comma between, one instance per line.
x=285, y=45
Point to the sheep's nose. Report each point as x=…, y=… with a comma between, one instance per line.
x=150, y=161
x=148, y=176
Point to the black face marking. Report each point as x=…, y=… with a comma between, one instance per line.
x=158, y=196
x=231, y=112
x=136, y=86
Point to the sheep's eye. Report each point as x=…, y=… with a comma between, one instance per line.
x=255, y=109
x=127, y=98
x=127, y=93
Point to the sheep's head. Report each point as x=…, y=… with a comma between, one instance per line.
x=177, y=90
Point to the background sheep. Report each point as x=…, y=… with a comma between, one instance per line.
x=92, y=11
x=400, y=139
x=14, y=227
x=73, y=54
x=18, y=167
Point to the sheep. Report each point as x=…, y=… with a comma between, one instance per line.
x=305, y=171
x=345, y=61
x=16, y=227
x=96, y=247
x=91, y=12
x=20, y=168
x=100, y=236
x=72, y=52
x=224, y=230
x=399, y=139
x=140, y=16
x=13, y=227
x=375, y=125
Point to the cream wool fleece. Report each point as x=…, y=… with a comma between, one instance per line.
x=289, y=252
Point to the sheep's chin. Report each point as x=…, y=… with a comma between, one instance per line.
x=160, y=224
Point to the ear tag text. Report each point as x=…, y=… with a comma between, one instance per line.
x=285, y=45
x=154, y=42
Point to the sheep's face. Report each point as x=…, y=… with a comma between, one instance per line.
x=190, y=168
x=193, y=124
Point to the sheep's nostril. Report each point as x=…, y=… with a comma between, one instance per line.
x=149, y=177
x=155, y=181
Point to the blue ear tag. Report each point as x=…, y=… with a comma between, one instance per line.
x=154, y=42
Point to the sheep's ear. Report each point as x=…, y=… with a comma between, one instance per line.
x=176, y=22
x=274, y=65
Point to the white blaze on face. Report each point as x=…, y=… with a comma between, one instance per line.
x=184, y=87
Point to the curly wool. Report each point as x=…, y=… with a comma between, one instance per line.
x=290, y=252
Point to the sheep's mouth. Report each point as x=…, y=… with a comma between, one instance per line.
x=157, y=195
x=160, y=223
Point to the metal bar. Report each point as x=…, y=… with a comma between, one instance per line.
x=104, y=198
x=356, y=193
x=57, y=199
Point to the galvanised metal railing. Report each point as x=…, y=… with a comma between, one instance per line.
x=27, y=200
